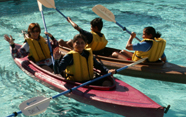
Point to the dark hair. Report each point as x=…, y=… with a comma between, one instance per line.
x=150, y=30
x=31, y=28
x=79, y=36
x=97, y=22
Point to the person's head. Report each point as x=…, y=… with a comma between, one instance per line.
x=79, y=43
x=96, y=25
x=150, y=33
x=34, y=30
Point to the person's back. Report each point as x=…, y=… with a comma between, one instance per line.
x=154, y=53
x=95, y=39
x=152, y=46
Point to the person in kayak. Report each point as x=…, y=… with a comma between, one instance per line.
x=35, y=46
x=79, y=62
x=95, y=39
x=152, y=46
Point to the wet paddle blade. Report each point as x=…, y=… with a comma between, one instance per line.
x=137, y=62
x=104, y=13
x=34, y=106
x=108, y=15
x=39, y=5
x=132, y=64
x=48, y=3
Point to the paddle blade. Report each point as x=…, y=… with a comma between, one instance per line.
x=39, y=5
x=137, y=62
x=104, y=13
x=34, y=106
x=48, y=3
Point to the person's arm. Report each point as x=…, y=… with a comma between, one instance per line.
x=87, y=34
x=129, y=43
x=142, y=46
x=54, y=42
x=73, y=24
x=15, y=52
x=60, y=65
x=99, y=66
x=164, y=58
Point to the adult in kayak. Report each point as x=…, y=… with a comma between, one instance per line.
x=79, y=62
x=95, y=39
x=152, y=46
x=35, y=46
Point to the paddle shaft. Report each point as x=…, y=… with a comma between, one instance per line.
x=51, y=53
x=61, y=13
x=125, y=29
x=14, y=114
x=86, y=83
x=139, y=61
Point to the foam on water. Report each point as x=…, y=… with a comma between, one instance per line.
x=167, y=16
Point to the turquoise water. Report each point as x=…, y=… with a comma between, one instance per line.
x=167, y=16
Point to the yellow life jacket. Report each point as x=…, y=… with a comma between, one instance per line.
x=98, y=43
x=81, y=70
x=154, y=53
x=38, y=49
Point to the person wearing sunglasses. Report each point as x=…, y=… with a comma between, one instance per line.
x=35, y=46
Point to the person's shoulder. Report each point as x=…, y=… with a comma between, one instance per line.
x=100, y=34
x=68, y=55
x=147, y=42
x=67, y=58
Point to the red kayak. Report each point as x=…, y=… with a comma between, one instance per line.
x=119, y=98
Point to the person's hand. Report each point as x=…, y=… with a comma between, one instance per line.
x=113, y=71
x=68, y=19
x=9, y=39
x=133, y=35
x=72, y=23
x=57, y=54
x=46, y=33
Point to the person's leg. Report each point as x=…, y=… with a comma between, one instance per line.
x=125, y=55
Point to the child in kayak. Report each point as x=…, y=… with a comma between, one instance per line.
x=79, y=62
x=152, y=46
x=95, y=39
x=35, y=47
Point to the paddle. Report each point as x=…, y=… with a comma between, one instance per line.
x=108, y=15
x=37, y=105
x=51, y=4
x=40, y=9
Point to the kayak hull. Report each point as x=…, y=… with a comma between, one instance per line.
x=158, y=71
x=121, y=98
